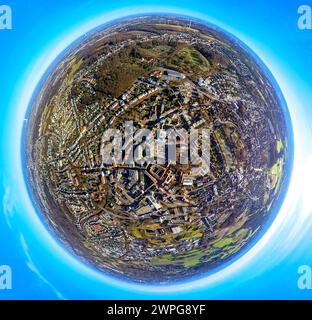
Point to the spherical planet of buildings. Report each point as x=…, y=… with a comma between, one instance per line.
x=158, y=148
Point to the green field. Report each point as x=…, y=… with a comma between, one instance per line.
x=189, y=61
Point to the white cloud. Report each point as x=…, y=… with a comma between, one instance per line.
x=31, y=265
x=7, y=206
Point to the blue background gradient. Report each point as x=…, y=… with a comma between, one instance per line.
x=42, y=269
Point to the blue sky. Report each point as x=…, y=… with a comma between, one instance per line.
x=42, y=269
